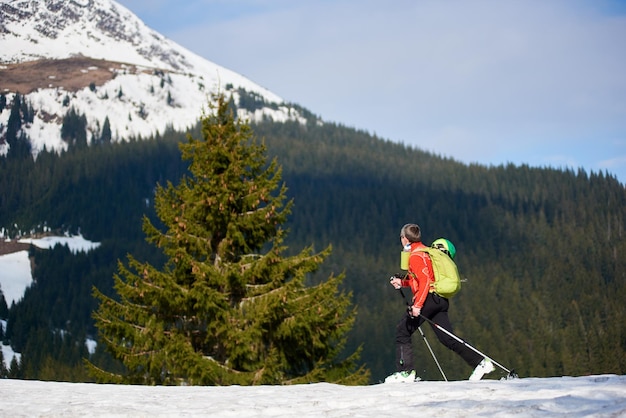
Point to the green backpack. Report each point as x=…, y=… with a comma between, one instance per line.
x=447, y=278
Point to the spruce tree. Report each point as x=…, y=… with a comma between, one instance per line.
x=228, y=306
x=106, y=135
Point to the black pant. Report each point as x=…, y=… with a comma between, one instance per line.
x=436, y=309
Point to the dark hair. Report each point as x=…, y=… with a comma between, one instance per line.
x=411, y=232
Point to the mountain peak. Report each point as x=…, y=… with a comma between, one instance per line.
x=61, y=29
x=98, y=58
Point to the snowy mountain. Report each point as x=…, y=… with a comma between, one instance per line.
x=99, y=59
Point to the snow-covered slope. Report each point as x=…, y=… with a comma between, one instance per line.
x=572, y=397
x=142, y=81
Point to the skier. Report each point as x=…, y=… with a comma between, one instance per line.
x=426, y=303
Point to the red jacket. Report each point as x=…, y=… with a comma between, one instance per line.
x=421, y=276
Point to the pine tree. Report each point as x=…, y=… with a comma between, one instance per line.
x=4, y=372
x=228, y=307
x=14, y=123
x=74, y=128
x=106, y=131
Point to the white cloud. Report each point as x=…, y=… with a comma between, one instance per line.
x=611, y=163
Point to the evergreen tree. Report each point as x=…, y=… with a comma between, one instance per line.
x=4, y=308
x=27, y=111
x=4, y=372
x=74, y=128
x=14, y=371
x=21, y=112
x=227, y=307
x=106, y=131
x=14, y=123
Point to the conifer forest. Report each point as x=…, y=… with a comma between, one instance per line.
x=174, y=295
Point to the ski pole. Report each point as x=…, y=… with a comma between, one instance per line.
x=439, y=327
x=432, y=353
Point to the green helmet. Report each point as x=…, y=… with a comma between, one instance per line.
x=445, y=246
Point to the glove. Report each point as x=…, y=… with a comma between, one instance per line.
x=396, y=282
x=414, y=311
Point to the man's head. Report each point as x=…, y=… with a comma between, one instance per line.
x=411, y=232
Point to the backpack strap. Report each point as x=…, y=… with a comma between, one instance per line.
x=431, y=283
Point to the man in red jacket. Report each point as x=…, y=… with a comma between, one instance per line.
x=426, y=303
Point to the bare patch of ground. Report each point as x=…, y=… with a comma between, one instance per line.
x=8, y=247
x=72, y=74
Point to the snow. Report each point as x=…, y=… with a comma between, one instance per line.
x=8, y=354
x=15, y=277
x=76, y=243
x=91, y=345
x=598, y=396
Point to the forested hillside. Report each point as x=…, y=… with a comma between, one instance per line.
x=541, y=249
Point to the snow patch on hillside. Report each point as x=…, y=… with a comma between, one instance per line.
x=16, y=276
x=76, y=243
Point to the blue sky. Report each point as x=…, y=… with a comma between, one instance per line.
x=538, y=82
